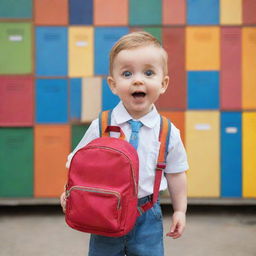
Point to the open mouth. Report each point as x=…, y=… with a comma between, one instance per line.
x=139, y=94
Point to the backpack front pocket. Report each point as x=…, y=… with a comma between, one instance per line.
x=94, y=208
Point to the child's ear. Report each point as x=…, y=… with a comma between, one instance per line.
x=165, y=84
x=112, y=84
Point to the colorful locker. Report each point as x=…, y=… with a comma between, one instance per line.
x=178, y=119
x=51, y=41
x=81, y=12
x=51, y=12
x=249, y=153
x=249, y=10
x=16, y=48
x=51, y=101
x=174, y=44
x=248, y=68
x=16, y=100
x=52, y=146
x=202, y=12
x=202, y=144
x=105, y=38
x=13, y=9
x=174, y=12
x=230, y=12
x=81, y=44
x=203, y=89
x=110, y=13
x=155, y=31
x=109, y=100
x=230, y=76
x=75, y=100
x=231, y=154
x=78, y=132
x=203, y=48
x=145, y=12
x=91, y=98
x=16, y=157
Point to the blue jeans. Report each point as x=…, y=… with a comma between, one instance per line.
x=145, y=239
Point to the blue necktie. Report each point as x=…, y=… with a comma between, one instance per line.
x=135, y=126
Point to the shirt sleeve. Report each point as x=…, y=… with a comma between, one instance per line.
x=177, y=158
x=91, y=134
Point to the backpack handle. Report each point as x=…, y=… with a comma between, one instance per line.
x=111, y=128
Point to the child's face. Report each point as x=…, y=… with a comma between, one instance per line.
x=138, y=78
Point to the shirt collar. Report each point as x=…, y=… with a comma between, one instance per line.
x=121, y=116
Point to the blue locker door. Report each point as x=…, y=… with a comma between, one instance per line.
x=75, y=99
x=203, y=90
x=51, y=101
x=51, y=51
x=109, y=100
x=105, y=38
x=81, y=12
x=231, y=155
x=203, y=12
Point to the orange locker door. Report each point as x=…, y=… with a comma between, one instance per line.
x=174, y=12
x=202, y=144
x=52, y=146
x=178, y=119
x=110, y=13
x=51, y=12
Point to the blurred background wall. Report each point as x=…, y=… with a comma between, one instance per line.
x=53, y=68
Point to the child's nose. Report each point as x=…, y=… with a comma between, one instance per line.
x=138, y=80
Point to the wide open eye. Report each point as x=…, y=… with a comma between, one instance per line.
x=149, y=72
x=126, y=73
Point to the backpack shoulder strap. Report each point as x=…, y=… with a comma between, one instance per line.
x=164, y=138
x=104, y=120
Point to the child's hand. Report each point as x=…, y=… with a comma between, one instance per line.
x=63, y=202
x=178, y=225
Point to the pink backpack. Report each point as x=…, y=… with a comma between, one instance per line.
x=102, y=187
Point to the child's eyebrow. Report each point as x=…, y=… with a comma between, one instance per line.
x=149, y=66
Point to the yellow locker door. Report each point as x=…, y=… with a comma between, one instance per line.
x=231, y=12
x=80, y=51
x=249, y=154
x=91, y=98
x=249, y=68
x=202, y=48
x=202, y=144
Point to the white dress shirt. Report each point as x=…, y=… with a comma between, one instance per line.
x=148, y=147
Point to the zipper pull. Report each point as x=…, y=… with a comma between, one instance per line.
x=67, y=193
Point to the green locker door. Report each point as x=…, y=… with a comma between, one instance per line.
x=13, y=9
x=78, y=132
x=16, y=158
x=202, y=144
x=16, y=48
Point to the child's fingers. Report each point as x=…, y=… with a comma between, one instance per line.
x=63, y=202
x=175, y=231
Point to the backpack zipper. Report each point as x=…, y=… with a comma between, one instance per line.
x=96, y=190
x=133, y=173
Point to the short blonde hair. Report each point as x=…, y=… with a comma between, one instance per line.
x=136, y=40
